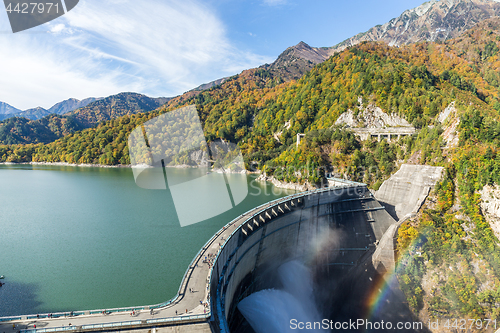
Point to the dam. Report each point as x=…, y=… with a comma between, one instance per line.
x=342, y=233
x=348, y=215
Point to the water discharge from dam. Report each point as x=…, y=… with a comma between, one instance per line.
x=271, y=310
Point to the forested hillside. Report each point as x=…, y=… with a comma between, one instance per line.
x=24, y=131
x=114, y=107
x=416, y=82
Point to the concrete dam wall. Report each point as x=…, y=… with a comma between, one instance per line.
x=332, y=231
x=345, y=235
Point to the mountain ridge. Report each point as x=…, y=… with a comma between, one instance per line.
x=431, y=21
x=71, y=104
x=125, y=103
x=50, y=126
x=59, y=108
x=6, y=109
x=296, y=60
x=299, y=59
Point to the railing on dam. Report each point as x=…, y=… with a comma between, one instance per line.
x=211, y=314
x=123, y=324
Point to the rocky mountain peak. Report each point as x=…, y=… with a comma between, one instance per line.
x=297, y=60
x=303, y=51
x=423, y=8
x=431, y=21
x=7, y=109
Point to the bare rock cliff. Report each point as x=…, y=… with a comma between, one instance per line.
x=370, y=116
x=490, y=206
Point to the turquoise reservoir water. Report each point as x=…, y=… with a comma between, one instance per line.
x=74, y=238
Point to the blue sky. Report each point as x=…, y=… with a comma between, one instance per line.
x=166, y=47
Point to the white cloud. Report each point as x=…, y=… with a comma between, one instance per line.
x=34, y=74
x=104, y=47
x=57, y=28
x=276, y=2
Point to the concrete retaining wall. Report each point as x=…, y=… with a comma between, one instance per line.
x=407, y=189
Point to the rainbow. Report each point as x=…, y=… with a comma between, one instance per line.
x=382, y=287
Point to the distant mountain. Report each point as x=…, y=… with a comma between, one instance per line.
x=40, y=125
x=162, y=100
x=432, y=21
x=39, y=112
x=209, y=85
x=115, y=106
x=71, y=104
x=7, y=109
x=297, y=60
x=415, y=83
x=303, y=52
x=34, y=113
x=291, y=64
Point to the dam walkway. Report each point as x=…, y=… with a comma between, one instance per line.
x=189, y=311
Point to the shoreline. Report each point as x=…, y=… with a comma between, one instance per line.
x=285, y=185
x=68, y=164
x=129, y=166
x=261, y=178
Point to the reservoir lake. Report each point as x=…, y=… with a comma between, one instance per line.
x=82, y=238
